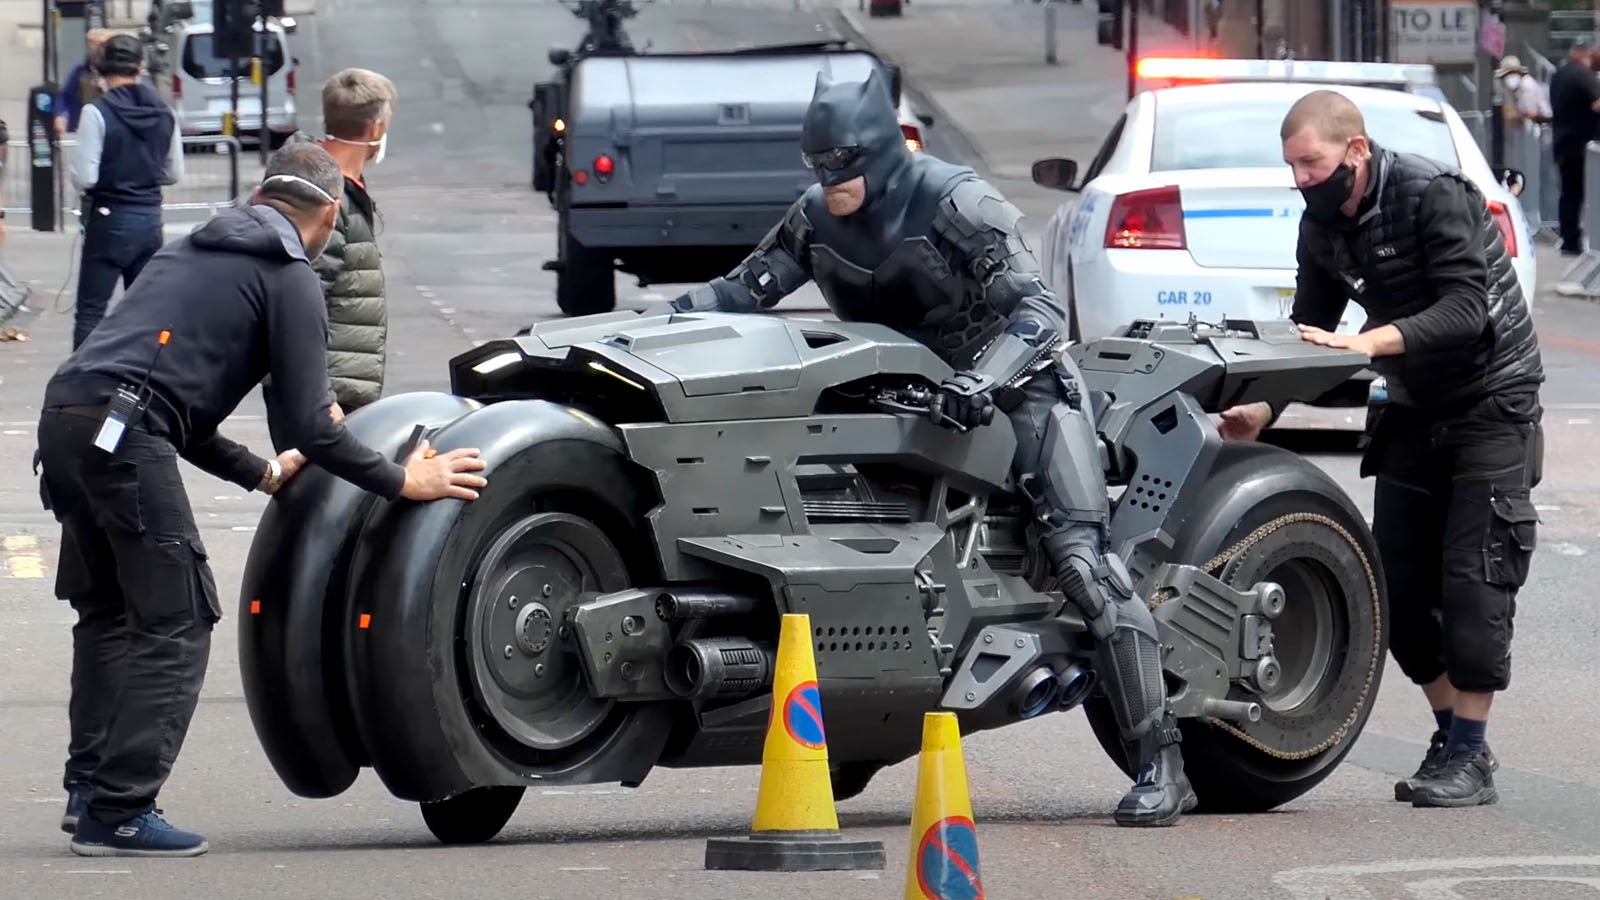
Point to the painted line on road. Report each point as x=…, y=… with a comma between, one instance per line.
x=22, y=557
x=1346, y=881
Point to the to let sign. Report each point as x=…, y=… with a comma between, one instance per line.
x=1442, y=32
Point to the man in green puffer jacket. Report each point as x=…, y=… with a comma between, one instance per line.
x=357, y=105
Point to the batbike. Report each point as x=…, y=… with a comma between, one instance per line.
x=662, y=488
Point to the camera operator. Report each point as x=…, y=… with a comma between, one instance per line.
x=210, y=316
x=1458, y=447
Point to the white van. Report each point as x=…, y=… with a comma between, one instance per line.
x=194, y=82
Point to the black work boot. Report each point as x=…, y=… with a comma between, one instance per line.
x=1432, y=764
x=1465, y=778
x=1162, y=792
x=1435, y=758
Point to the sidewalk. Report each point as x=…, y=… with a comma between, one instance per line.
x=979, y=67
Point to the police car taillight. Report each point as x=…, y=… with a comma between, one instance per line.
x=1502, y=220
x=1151, y=219
x=913, y=136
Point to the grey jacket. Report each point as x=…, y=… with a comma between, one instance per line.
x=351, y=269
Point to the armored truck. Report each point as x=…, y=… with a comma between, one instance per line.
x=670, y=167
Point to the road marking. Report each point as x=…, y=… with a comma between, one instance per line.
x=1445, y=888
x=1345, y=881
x=22, y=557
x=1577, y=421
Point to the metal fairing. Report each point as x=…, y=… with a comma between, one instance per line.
x=705, y=367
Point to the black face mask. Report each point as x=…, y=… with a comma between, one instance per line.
x=1324, y=198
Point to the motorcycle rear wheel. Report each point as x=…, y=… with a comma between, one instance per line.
x=1331, y=638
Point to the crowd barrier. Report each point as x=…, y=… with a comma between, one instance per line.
x=1582, y=277
x=210, y=180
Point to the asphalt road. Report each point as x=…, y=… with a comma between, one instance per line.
x=464, y=238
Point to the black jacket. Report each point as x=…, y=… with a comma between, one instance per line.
x=1423, y=254
x=241, y=302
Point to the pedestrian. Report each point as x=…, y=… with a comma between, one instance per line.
x=1458, y=446
x=1525, y=102
x=212, y=314
x=357, y=107
x=128, y=148
x=83, y=85
x=1575, y=121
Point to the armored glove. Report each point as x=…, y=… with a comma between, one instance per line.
x=965, y=400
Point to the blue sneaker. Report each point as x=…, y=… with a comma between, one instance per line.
x=77, y=802
x=148, y=835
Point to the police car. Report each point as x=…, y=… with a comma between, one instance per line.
x=1188, y=206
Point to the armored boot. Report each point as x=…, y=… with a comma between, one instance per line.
x=1130, y=668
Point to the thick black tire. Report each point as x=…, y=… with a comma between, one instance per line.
x=850, y=779
x=586, y=284
x=472, y=817
x=417, y=705
x=291, y=605
x=1330, y=554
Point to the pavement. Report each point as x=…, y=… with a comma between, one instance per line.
x=464, y=239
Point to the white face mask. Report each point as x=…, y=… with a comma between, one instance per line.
x=381, y=143
x=1513, y=81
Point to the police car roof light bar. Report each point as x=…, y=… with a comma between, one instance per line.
x=1176, y=70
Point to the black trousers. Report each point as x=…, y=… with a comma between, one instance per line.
x=1456, y=529
x=116, y=245
x=1569, y=208
x=133, y=567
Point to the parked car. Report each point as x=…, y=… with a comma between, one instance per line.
x=1188, y=206
x=195, y=81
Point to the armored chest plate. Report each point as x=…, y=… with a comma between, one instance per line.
x=911, y=287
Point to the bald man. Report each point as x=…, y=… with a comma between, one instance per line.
x=1458, y=446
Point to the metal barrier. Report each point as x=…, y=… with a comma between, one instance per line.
x=210, y=179
x=1582, y=278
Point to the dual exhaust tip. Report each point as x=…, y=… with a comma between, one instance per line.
x=1044, y=689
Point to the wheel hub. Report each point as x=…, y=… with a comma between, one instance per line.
x=526, y=670
x=534, y=627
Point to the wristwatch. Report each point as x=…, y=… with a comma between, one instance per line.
x=274, y=476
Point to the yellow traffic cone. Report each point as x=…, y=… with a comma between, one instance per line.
x=944, y=839
x=796, y=828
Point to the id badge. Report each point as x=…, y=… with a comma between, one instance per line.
x=119, y=412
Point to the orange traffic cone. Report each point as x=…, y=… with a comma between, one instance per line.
x=944, y=839
x=796, y=828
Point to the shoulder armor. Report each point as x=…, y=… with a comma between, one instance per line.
x=971, y=207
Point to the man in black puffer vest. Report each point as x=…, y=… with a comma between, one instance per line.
x=128, y=147
x=1459, y=445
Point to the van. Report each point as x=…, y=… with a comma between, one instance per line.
x=194, y=81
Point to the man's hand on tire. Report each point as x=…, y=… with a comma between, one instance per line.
x=435, y=477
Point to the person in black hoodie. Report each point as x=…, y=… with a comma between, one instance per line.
x=128, y=147
x=225, y=306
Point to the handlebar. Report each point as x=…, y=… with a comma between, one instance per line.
x=921, y=401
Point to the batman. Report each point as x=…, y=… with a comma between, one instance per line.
x=907, y=240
